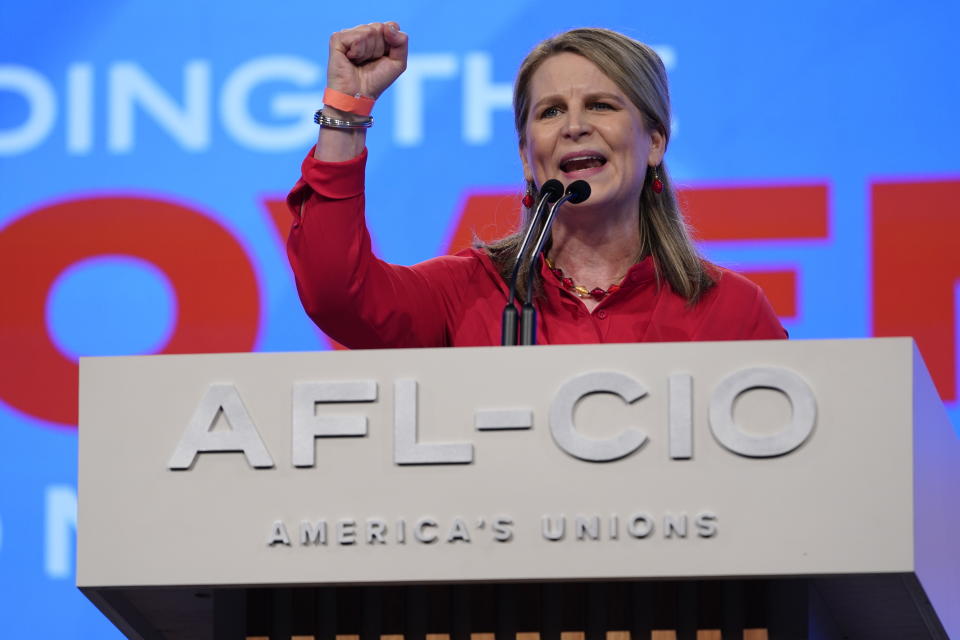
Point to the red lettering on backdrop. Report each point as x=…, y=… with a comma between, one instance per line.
x=217, y=296
x=280, y=217
x=757, y=213
x=787, y=212
x=781, y=290
x=488, y=215
x=721, y=213
x=916, y=264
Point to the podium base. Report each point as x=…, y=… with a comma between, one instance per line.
x=875, y=606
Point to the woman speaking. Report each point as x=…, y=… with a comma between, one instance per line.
x=589, y=104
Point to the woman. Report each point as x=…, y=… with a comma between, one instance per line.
x=589, y=104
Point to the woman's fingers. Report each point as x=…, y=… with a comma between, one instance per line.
x=367, y=58
x=364, y=43
x=397, y=41
x=377, y=45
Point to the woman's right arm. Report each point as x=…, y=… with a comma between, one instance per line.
x=354, y=297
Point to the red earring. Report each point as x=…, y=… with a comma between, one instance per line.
x=657, y=183
x=527, y=201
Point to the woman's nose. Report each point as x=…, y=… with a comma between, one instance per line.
x=577, y=124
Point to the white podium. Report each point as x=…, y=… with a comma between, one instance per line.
x=795, y=489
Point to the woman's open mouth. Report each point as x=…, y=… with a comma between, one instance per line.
x=582, y=164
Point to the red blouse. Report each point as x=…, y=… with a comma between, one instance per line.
x=363, y=302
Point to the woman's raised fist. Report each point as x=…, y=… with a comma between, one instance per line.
x=366, y=59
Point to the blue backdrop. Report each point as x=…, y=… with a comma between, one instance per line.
x=206, y=108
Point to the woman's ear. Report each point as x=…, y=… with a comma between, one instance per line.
x=658, y=146
x=527, y=173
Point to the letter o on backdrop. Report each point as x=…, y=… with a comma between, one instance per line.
x=216, y=287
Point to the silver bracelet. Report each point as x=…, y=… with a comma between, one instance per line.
x=335, y=123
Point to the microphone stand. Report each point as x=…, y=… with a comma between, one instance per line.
x=550, y=192
x=577, y=192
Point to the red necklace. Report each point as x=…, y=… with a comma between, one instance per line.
x=580, y=291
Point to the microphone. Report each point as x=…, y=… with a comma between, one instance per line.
x=577, y=191
x=551, y=191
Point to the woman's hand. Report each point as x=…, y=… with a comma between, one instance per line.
x=366, y=59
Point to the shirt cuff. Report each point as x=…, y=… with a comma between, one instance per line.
x=335, y=180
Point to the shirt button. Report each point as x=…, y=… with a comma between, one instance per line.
x=602, y=314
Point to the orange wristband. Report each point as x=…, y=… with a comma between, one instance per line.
x=358, y=104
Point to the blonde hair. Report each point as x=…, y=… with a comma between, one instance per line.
x=638, y=71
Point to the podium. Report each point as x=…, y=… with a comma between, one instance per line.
x=728, y=489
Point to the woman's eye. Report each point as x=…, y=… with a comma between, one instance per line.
x=549, y=112
x=601, y=106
